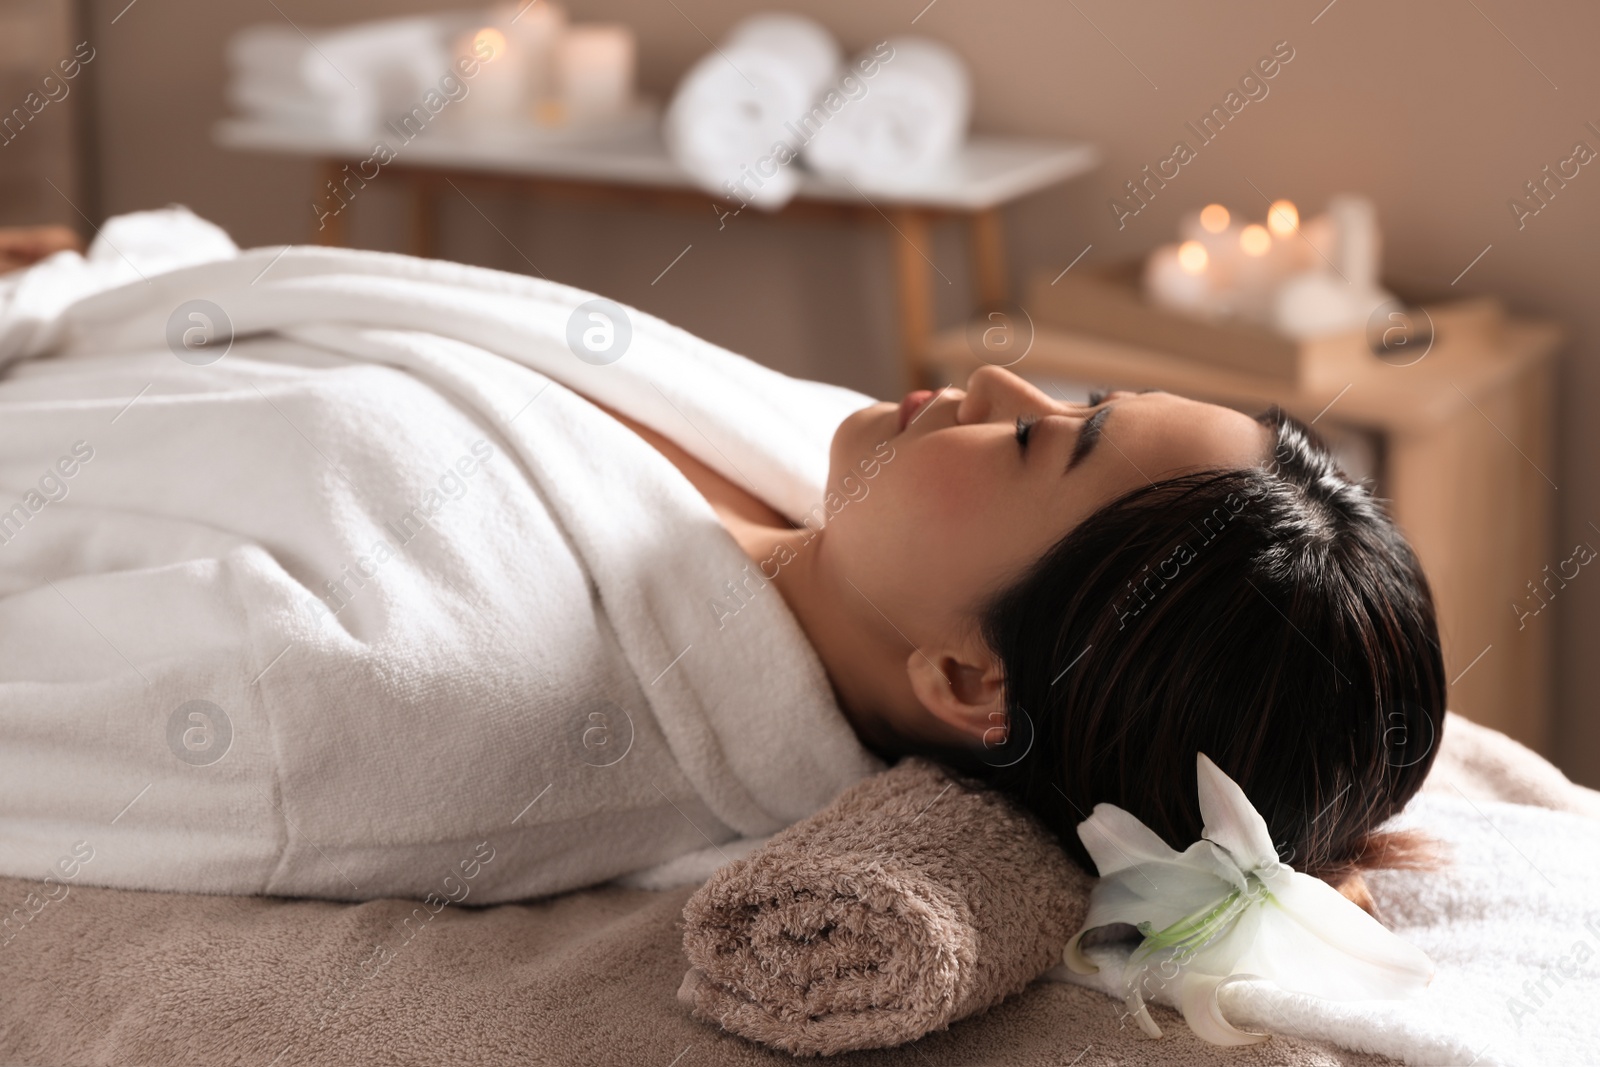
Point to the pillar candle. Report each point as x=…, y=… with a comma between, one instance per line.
x=1179, y=279
x=594, y=71
x=534, y=28
x=1215, y=229
x=498, y=92
x=1256, y=273
x=1291, y=252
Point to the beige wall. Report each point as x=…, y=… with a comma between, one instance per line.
x=1427, y=107
x=40, y=151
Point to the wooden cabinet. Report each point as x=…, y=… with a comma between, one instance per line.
x=1464, y=454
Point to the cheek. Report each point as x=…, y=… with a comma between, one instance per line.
x=949, y=488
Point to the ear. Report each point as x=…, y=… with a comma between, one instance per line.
x=963, y=687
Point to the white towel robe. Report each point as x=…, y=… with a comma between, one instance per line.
x=538, y=666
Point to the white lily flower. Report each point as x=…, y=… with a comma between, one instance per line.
x=1226, y=908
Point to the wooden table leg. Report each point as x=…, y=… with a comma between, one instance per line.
x=328, y=226
x=424, y=207
x=911, y=247
x=989, y=258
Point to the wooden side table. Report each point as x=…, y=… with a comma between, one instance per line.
x=1465, y=460
x=638, y=172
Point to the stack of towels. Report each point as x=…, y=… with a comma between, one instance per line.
x=776, y=90
x=341, y=82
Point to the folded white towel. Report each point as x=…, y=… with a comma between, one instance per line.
x=911, y=119
x=347, y=81
x=734, y=121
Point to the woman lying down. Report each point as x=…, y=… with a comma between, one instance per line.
x=347, y=575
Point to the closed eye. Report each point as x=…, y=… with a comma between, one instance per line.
x=1089, y=436
x=1099, y=396
x=1024, y=429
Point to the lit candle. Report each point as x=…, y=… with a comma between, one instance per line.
x=594, y=71
x=1176, y=276
x=1218, y=232
x=1283, y=218
x=1291, y=252
x=1255, y=241
x=1214, y=228
x=497, y=92
x=1256, y=273
x=534, y=28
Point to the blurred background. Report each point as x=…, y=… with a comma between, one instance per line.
x=1452, y=129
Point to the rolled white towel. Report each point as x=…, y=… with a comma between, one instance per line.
x=911, y=117
x=733, y=122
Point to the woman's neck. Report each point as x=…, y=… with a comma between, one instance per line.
x=862, y=653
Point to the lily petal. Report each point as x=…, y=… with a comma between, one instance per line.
x=1198, y=1000
x=1155, y=896
x=1074, y=958
x=1231, y=820
x=1313, y=940
x=1226, y=908
x=1117, y=840
x=1141, y=1013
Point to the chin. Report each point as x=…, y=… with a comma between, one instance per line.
x=858, y=435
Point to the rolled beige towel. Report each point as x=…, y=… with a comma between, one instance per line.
x=915, y=899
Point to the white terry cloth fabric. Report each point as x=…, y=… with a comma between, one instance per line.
x=433, y=599
x=1511, y=921
x=911, y=120
x=745, y=99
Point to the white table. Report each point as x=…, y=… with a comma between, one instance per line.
x=989, y=173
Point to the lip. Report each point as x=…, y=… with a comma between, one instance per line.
x=914, y=402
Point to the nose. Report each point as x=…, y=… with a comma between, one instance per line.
x=996, y=395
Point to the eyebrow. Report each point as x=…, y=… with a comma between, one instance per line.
x=1089, y=436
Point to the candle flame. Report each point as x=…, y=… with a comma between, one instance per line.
x=491, y=39
x=1214, y=218
x=1283, y=218
x=1255, y=240
x=1192, y=257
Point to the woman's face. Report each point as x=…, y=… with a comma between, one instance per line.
x=966, y=502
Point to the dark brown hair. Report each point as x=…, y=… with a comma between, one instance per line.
x=1273, y=618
